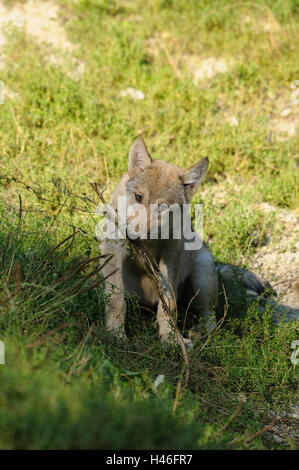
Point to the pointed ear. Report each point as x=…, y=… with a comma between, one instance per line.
x=194, y=175
x=139, y=158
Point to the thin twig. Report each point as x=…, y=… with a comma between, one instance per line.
x=263, y=430
x=188, y=307
x=231, y=418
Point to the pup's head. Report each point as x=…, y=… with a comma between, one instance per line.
x=154, y=186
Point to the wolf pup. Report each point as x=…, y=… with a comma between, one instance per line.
x=156, y=184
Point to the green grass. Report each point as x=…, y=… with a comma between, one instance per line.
x=65, y=384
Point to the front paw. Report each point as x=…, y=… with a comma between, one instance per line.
x=203, y=329
x=210, y=324
x=118, y=334
x=195, y=334
x=172, y=339
x=188, y=342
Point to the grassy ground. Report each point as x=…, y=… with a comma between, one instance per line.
x=63, y=125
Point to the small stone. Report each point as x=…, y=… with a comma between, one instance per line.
x=133, y=93
x=233, y=121
x=285, y=112
x=277, y=438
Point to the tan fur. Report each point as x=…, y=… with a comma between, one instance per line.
x=159, y=182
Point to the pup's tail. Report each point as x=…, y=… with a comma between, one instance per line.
x=254, y=284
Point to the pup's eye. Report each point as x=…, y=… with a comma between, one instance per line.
x=138, y=197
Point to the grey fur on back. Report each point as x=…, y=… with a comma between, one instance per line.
x=248, y=278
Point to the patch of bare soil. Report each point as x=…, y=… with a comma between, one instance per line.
x=200, y=68
x=280, y=114
x=286, y=429
x=284, y=117
x=278, y=261
x=265, y=21
x=207, y=68
x=39, y=19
